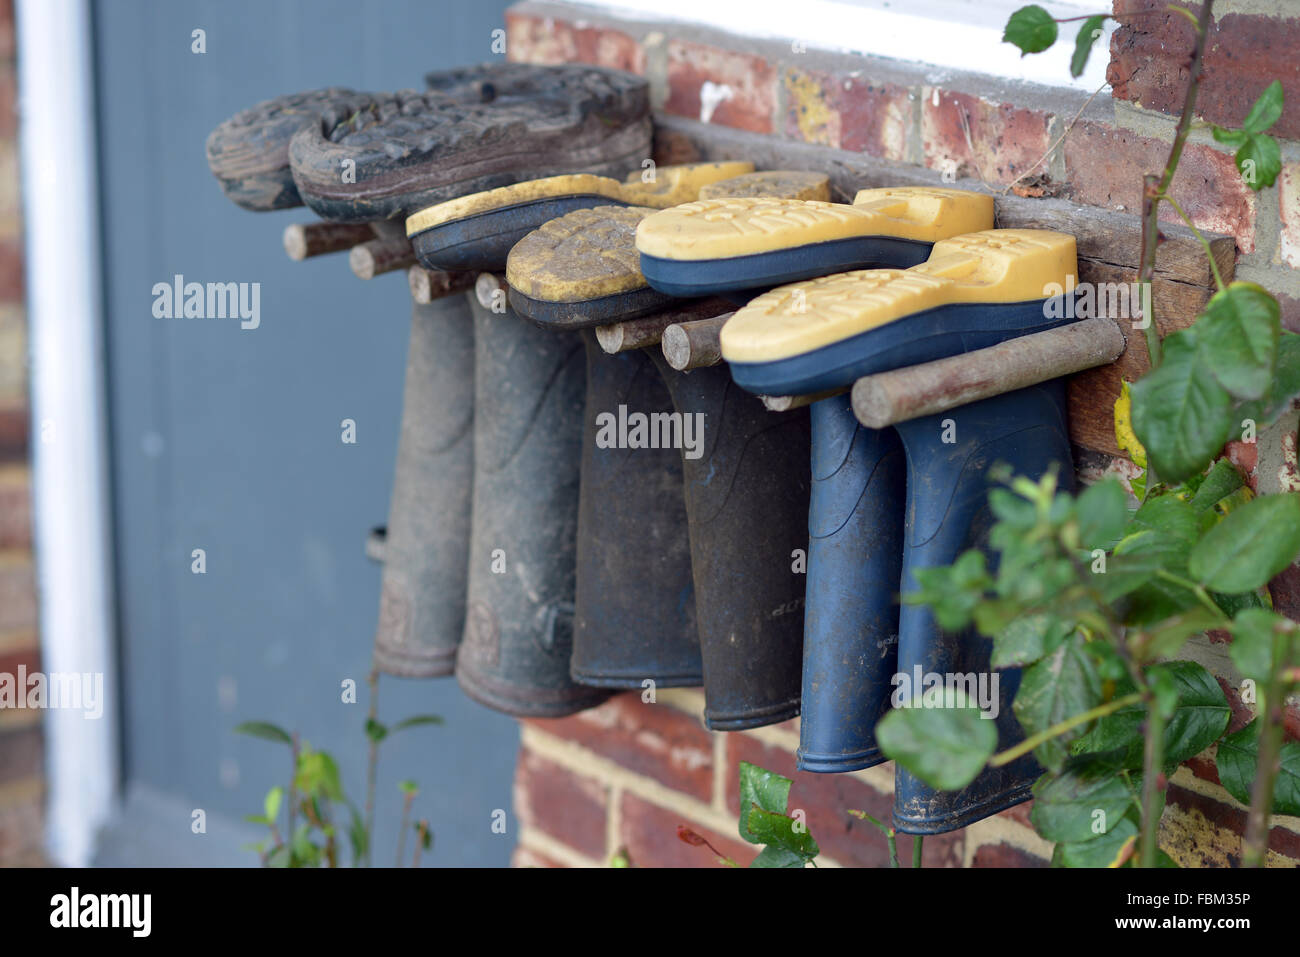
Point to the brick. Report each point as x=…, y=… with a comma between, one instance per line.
x=1007, y=140
x=17, y=591
x=22, y=825
x=1198, y=831
x=11, y=270
x=1151, y=59
x=8, y=108
x=1003, y=854
x=720, y=86
x=649, y=833
x=14, y=427
x=531, y=39
x=527, y=857
x=847, y=112
x=568, y=806
x=826, y=800
x=1290, y=311
x=7, y=29
x=650, y=739
x=1105, y=165
x=15, y=507
x=1288, y=197
x=13, y=353
x=24, y=754
x=1020, y=813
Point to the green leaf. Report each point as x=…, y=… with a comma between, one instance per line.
x=946, y=747
x=1028, y=638
x=319, y=774
x=264, y=730
x=271, y=805
x=1030, y=28
x=779, y=830
x=1238, y=334
x=1223, y=479
x=1259, y=160
x=1237, y=762
x=358, y=836
x=1253, y=636
x=1168, y=515
x=952, y=591
x=1103, y=511
x=1200, y=714
x=1065, y=807
x=280, y=857
x=1199, y=717
x=1227, y=137
x=1088, y=34
x=1251, y=545
x=1106, y=850
x=375, y=731
x=772, y=856
x=1168, y=637
x=1266, y=111
x=1180, y=412
x=766, y=789
x=1060, y=686
x=408, y=787
x=1286, y=385
x=416, y=721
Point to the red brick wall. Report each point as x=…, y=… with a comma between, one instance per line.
x=21, y=747
x=624, y=775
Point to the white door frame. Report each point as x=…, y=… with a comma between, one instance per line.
x=70, y=489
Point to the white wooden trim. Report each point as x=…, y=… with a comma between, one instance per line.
x=69, y=454
x=948, y=35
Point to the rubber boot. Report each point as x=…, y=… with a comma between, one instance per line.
x=528, y=400
x=855, y=552
x=747, y=503
x=426, y=550
x=635, y=616
x=948, y=512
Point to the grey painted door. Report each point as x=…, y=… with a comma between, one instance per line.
x=229, y=440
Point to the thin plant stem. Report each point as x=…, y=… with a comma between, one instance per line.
x=1083, y=717
x=1153, y=188
x=1152, y=761
x=407, y=798
x=1255, y=844
x=372, y=762
x=918, y=842
x=1200, y=237
x=1198, y=590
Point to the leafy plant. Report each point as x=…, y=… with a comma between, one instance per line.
x=316, y=808
x=1094, y=598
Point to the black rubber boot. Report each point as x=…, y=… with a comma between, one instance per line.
x=747, y=505
x=529, y=395
x=635, y=619
x=426, y=551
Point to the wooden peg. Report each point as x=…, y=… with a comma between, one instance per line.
x=304, y=240
x=694, y=345
x=378, y=256
x=430, y=284
x=902, y=394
